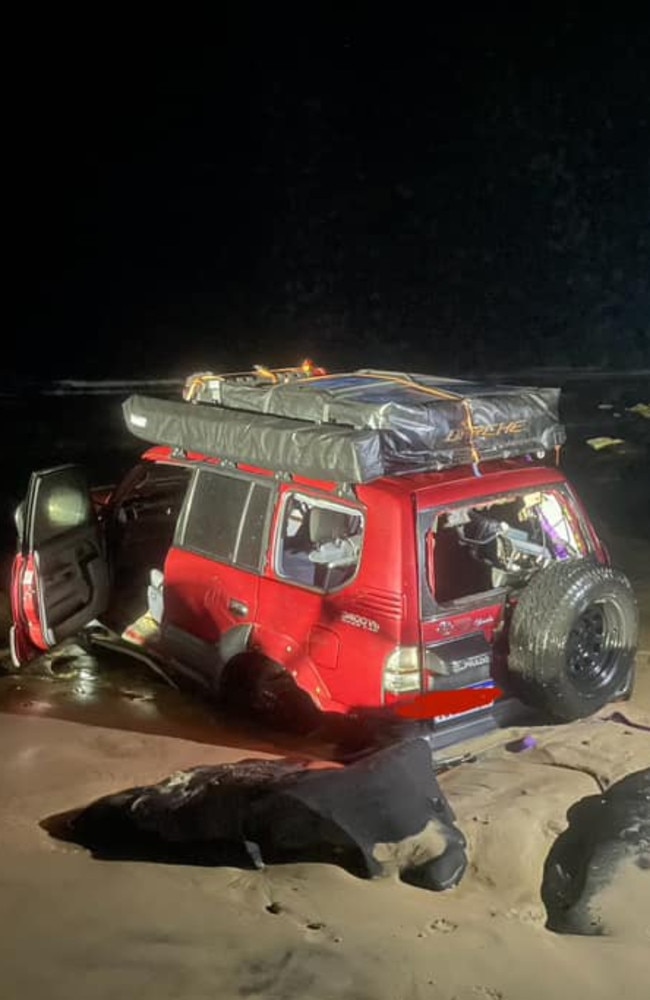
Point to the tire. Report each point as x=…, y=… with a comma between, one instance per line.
x=256, y=686
x=573, y=637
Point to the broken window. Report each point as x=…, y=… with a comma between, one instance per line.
x=320, y=543
x=500, y=543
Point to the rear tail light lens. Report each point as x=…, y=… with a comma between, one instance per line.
x=402, y=671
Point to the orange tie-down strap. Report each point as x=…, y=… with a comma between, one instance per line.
x=305, y=370
x=429, y=391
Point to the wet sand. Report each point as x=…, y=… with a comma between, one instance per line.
x=112, y=691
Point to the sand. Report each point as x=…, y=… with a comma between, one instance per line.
x=77, y=927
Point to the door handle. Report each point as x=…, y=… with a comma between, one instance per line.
x=238, y=608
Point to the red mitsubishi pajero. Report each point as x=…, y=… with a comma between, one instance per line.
x=367, y=539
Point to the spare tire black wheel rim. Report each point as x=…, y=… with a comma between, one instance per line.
x=592, y=647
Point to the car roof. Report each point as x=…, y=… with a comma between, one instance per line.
x=428, y=488
x=462, y=484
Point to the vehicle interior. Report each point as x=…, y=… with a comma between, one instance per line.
x=501, y=543
x=320, y=544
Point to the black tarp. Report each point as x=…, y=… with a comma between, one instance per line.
x=606, y=834
x=383, y=813
x=357, y=427
x=389, y=400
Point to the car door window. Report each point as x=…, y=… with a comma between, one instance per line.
x=61, y=502
x=320, y=543
x=226, y=518
x=154, y=490
x=145, y=514
x=253, y=527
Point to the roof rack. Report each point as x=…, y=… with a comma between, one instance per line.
x=202, y=387
x=351, y=427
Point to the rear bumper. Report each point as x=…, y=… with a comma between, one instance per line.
x=501, y=715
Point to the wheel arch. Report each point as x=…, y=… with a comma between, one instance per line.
x=289, y=655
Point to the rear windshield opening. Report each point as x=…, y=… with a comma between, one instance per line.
x=501, y=543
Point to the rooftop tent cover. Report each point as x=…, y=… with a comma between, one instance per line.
x=354, y=427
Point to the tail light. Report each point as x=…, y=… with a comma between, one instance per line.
x=402, y=671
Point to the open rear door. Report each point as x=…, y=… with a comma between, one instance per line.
x=60, y=575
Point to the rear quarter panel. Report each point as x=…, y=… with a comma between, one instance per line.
x=335, y=644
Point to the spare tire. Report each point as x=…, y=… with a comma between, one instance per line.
x=573, y=638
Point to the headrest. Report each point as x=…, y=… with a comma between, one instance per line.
x=326, y=525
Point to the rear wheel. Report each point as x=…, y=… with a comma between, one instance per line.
x=256, y=686
x=573, y=638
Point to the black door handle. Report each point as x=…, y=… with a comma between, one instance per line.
x=238, y=608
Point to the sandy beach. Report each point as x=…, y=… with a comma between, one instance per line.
x=78, y=927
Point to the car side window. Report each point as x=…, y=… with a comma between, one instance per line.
x=320, y=543
x=226, y=518
x=153, y=491
x=253, y=525
x=148, y=503
x=60, y=502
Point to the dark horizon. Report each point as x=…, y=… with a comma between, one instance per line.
x=473, y=195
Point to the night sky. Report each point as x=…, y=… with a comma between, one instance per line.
x=474, y=193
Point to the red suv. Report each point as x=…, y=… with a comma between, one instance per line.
x=359, y=541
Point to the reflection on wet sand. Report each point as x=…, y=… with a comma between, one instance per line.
x=115, y=691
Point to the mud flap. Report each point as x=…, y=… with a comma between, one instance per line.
x=234, y=642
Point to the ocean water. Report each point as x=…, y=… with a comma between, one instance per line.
x=89, y=387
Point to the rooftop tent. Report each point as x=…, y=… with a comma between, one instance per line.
x=353, y=427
